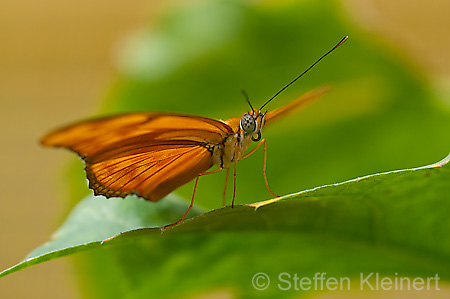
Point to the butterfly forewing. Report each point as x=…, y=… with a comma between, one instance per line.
x=294, y=105
x=92, y=136
x=149, y=154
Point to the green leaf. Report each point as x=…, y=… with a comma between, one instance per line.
x=386, y=216
x=97, y=218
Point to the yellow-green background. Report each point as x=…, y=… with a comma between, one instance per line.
x=58, y=61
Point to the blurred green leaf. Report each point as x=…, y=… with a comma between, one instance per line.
x=391, y=217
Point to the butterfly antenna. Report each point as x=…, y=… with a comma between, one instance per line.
x=340, y=43
x=246, y=97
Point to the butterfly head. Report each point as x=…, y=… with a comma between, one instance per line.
x=252, y=123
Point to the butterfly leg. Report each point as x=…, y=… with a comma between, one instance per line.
x=225, y=188
x=210, y=172
x=193, y=196
x=234, y=176
x=265, y=160
x=190, y=207
x=264, y=169
x=253, y=150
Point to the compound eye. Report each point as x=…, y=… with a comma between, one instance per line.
x=248, y=123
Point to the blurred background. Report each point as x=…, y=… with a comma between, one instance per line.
x=64, y=61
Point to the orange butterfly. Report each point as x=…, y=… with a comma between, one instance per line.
x=152, y=154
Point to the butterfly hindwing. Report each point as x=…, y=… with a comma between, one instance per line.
x=151, y=174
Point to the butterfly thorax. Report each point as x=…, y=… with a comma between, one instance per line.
x=234, y=146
